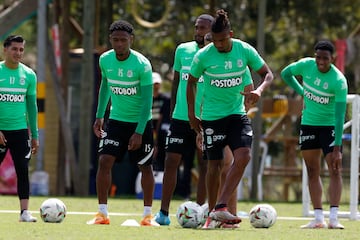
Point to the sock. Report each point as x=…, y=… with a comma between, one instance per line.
x=333, y=213
x=147, y=210
x=221, y=205
x=22, y=211
x=103, y=209
x=166, y=213
x=319, y=215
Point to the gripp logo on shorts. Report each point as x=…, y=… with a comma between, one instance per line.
x=212, y=138
x=315, y=98
x=304, y=138
x=6, y=97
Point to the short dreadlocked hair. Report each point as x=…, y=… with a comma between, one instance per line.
x=325, y=45
x=221, y=22
x=121, y=25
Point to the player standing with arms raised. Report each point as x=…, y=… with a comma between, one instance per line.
x=127, y=81
x=324, y=89
x=224, y=121
x=18, y=109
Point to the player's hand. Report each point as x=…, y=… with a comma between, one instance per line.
x=336, y=161
x=2, y=139
x=195, y=124
x=199, y=141
x=34, y=146
x=98, y=127
x=135, y=142
x=251, y=98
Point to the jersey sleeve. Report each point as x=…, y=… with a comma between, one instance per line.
x=254, y=58
x=32, y=108
x=196, y=68
x=104, y=94
x=146, y=73
x=247, y=77
x=341, y=90
x=177, y=59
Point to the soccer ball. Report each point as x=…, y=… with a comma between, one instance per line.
x=205, y=209
x=189, y=215
x=262, y=216
x=53, y=210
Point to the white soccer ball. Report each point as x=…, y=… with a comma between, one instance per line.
x=53, y=210
x=189, y=215
x=205, y=209
x=262, y=216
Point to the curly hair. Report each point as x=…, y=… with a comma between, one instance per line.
x=121, y=25
x=325, y=45
x=221, y=22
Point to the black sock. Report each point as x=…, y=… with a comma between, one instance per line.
x=221, y=205
x=166, y=213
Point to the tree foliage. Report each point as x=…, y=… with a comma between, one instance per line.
x=292, y=26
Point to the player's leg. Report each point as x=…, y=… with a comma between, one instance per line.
x=175, y=143
x=335, y=184
x=311, y=153
x=20, y=149
x=312, y=160
x=111, y=146
x=231, y=205
x=201, y=185
x=335, y=189
x=228, y=161
x=183, y=187
x=221, y=213
x=143, y=157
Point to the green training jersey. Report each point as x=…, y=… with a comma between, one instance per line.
x=225, y=76
x=184, y=55
x=16, y=87
x=122, y=81
x=321, y=92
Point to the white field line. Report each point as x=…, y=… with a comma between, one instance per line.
x=140, y=214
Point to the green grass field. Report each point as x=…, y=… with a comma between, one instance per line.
x=81, y=209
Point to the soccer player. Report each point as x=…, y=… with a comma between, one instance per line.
x=226, y=93
x=181, y=139
x=324, y=89
x=216, y=175
x=18, y=109
x=127, y=82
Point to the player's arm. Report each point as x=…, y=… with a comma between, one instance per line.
x=291, y=80
x=103, y=100
x=146, y=104
x=267, y=77
x=340, y=109
x=32, y=115
x=174, y=89
x=190, y=97
x=32, y=118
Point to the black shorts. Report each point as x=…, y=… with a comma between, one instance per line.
x=116, y=139
x=18, y=143
x=233, y=130
x=180, y=138
x=315, y=137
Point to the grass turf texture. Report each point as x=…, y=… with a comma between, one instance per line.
x=81, y=209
